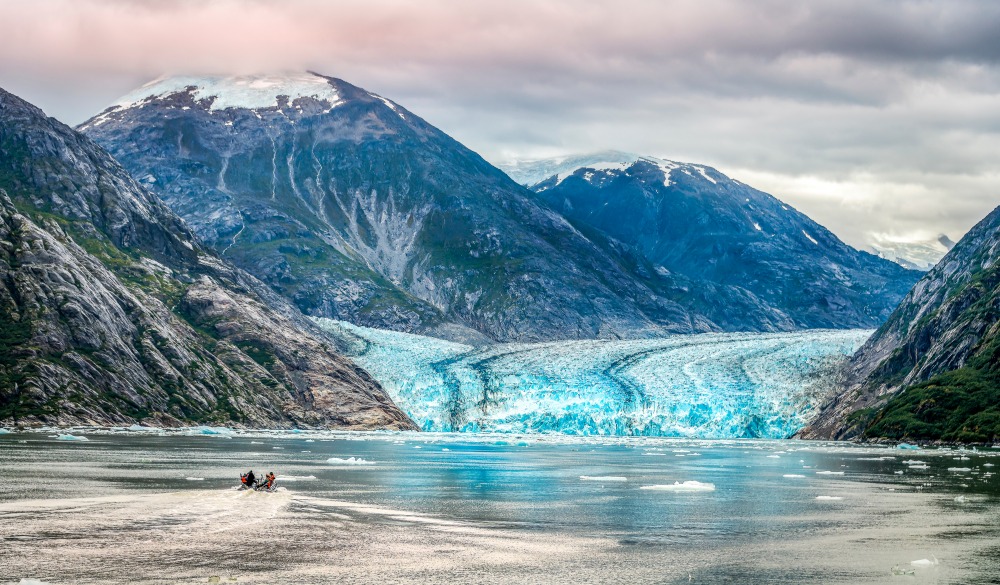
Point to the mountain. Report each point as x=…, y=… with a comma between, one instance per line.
x=932, y=371
x=113, y=313
x=918, y=255
x=691, y=220
x=356, y=209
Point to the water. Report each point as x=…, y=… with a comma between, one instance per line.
x=137, y=507
x=732, y=385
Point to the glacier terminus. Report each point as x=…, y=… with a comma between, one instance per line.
x=717, y=385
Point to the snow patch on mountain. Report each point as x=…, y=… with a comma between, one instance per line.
x=241, y=91
x=532, y=172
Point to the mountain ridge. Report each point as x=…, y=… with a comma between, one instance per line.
x=931, y=372
x=692, y=220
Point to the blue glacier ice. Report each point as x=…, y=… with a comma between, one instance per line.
x=720, y=385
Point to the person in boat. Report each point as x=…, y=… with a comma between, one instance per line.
x=270, y=480
x=250, y=480
x=243, y=479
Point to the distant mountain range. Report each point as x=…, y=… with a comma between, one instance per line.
x=691, y=220
x=355, y=208
x=919, y=255
x=112, y=312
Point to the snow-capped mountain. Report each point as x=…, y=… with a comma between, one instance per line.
x=692, y=220
x=357, y=209
x=918, y=255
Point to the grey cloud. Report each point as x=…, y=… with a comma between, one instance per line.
x=892, y=102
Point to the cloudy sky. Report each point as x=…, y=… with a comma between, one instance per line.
x=881, y=120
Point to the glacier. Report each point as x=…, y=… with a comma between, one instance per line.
x=718, y=385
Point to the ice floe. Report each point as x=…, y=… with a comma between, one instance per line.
x=603, y=478
x=687, y=486
x=68, y=437
x=349, y=461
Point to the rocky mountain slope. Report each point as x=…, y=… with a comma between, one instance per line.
x=357, y=209
x=112, y=313
x=932, y=371
x=692, y=220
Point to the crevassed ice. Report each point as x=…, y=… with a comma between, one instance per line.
x=242, y=91
x=732, y=385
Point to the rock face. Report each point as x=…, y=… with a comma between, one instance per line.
x=112, y=313
x=930, y=372
x=356, y=209
x=692, y=220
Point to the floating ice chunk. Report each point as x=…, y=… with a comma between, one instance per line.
x=603, y=478
x=984, y=464
x=310, y=441
x=959, y=469
x=349, y=461
x=774, y=456
x=445, y=449
x=687, y=486
x=829, y=498
x=960, y=499
x=925, y=562
x=142, y=429
x=829, y=473
x=900, y=472
x=195, y=478
x=4, y=431
x=213, y=430
x=913, y=462
x=296, y=477
x=256, y=443
x=908, y=446
x=69, y=437
x=792, y=475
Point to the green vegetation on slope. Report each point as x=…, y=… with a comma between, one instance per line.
x=962, y=405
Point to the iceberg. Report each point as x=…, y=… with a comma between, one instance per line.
x=687, y=486
x=212, y=430
x=829, y=498
x=4, y=431
x=718, y=385
x=68, y=437
x=349, y=461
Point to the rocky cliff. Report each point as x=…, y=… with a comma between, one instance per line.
x=932, y=371
x=113, y=313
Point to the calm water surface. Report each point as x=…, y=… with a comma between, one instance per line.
x=124, y=508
